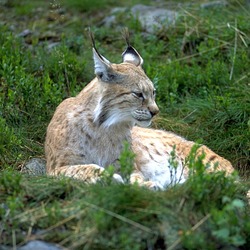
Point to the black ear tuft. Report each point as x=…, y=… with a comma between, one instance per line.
x=126, y=36
x=91, y=35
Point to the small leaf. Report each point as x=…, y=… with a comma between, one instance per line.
x=238, y=203
x=222, y=233
x=238, y=240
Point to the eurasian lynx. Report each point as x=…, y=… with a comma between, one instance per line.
x=87, y=132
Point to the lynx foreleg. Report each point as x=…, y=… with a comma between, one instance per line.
x=90, y=173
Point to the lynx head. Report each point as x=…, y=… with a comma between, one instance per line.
x=127, y=95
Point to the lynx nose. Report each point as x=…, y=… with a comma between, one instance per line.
x=154, y=110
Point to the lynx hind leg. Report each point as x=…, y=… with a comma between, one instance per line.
x=90, y=173
x=213, y=159
x=137, y=178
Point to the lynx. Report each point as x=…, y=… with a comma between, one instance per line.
x=87, y=132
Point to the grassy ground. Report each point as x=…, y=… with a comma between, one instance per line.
x=200, y=68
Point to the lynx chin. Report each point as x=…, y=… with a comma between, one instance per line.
x=87, y=132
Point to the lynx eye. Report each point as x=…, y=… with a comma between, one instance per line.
x=138, y=95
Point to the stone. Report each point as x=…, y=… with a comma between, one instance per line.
x=109, y=21
x=39, y=245
x=53, y=45
x=214, y=4
x=35, y=166
x=153, y=18
x=25, y=33
x=2, y=247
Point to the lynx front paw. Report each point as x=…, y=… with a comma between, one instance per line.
x=152, y=185
x=137, y=178
x=90, y=173
x=117, y=178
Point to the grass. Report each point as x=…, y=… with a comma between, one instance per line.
x=200, y=69
x=123, y=216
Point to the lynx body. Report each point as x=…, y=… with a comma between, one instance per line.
x=87, y=132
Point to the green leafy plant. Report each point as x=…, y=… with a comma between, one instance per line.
x=126, y=161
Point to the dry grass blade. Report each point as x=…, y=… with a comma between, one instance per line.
x=36, y=213
x=234, y=53
x=63, y=221
x=196, y=54
x=120, y=217
x=14, y=239
x=83, y=239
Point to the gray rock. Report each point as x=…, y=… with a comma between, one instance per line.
x=34, y=166
x=109, y=21
x=25, y=33
x=4, y=2
x=39, y=245
x=153, y=18
x=2, y=247
x=53, y=45
x=117, y=10
x=214, y=4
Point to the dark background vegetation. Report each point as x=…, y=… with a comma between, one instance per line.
x=200, y=67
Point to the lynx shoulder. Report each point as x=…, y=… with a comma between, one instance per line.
x=87, y=132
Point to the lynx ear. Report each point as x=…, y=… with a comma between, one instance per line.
x=130, y=55
x=103, y=68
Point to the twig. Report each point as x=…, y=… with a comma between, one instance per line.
x=178, y=241
x=200, y=222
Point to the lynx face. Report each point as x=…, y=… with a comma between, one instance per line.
x=143, y=97
x=127, y=94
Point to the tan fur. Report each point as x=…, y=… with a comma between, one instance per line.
x=87, y=132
